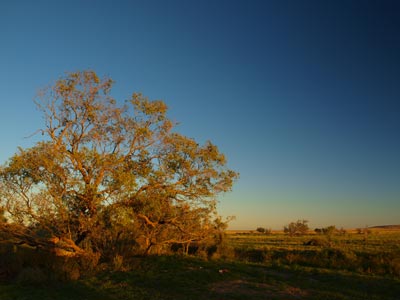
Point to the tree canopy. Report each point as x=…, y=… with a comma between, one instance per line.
x=296, y=228
x=109, y=177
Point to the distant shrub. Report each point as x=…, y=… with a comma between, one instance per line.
x=296, y=228
x=329, y=230
x=260, y=229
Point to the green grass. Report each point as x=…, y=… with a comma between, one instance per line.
x=375, y=242
x=377, y=254
x=171, y=277
x=273, y=276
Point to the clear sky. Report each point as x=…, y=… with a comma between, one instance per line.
x=303, y=97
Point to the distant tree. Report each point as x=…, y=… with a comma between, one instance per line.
x=260, y=229
x=296, y=228
x=329, y=230
x=106, y=176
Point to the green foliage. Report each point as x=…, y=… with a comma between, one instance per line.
x=110, y=179
x=330, y=230
x=260, y=229
x=297, y=228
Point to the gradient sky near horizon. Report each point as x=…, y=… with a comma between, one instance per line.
x=303, y=97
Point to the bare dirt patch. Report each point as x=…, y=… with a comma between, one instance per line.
x=256, y=290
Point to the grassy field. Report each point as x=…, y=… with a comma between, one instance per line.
x=375, y=253
x=251, y=266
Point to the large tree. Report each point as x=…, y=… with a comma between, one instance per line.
x=108, y=174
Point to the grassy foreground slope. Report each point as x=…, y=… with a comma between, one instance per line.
x=172, y=277
x=251, y=266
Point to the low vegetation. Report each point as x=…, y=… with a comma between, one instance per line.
x=377, y=253
x=245, y=265
x=297, y=228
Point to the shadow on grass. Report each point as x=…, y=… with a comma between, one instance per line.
x=51, y=291
x=168, y=277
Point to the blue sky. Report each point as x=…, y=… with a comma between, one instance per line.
x=301, y=96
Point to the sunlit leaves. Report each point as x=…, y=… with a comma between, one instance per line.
x=100, y=158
